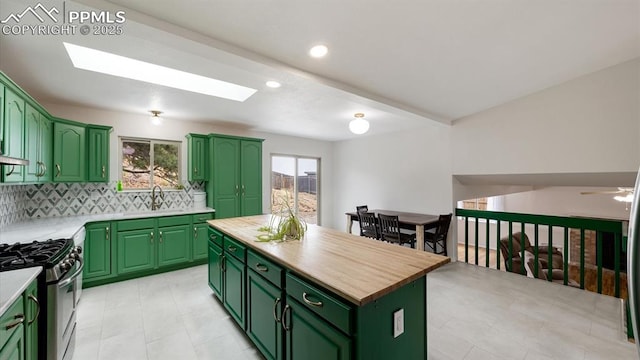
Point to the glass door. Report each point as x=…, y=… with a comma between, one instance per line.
x=294, y=185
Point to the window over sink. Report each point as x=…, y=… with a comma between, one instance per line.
x=147, y=162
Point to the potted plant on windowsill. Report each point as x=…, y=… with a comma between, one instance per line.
x=283, y=226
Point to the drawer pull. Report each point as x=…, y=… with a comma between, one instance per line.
x=275, y=310
x=312, y=303
x=232, y=248
x=212, y=237
x=19, y=320
x=284, y=317
x=262, y=267
x=202, y=219
x=33, y=298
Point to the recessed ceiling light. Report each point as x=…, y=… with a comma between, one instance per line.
x=273, y=84
x=318, y=51
x=116, y=65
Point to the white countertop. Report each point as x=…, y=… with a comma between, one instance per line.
x=14, y=283
x=66, y=226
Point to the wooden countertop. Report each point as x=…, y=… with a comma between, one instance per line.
x=358, y=269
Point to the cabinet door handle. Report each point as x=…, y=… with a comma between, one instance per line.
x=107, y=233
x=58, y=170
x=195, y=232
x=243, y=190
x=44, y=169
x=160, y=237
x=232, y=248
x=312, y=303
x=262, y=267
x=104, y=171
x=284, y=317
x=236, y=189
x=195, y=170
x=222, y=265
x=13, y=168
x=19, y=320
x=35, y=300
x=38, y=168
x=151, y=237
x=275, y=310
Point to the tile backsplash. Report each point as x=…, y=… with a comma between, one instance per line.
x=19, y=202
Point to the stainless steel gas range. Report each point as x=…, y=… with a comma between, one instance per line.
x=57, y=290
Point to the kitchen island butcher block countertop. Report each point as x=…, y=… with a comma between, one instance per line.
x=358, y=269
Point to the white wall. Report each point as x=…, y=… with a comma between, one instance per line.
x=589, y=124
x=406, y=171
x=137, y=125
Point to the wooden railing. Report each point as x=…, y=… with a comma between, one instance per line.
x=532, y=223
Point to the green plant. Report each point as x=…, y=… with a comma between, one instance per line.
x=283, y=226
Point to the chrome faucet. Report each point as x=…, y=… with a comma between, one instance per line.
x=155, y=205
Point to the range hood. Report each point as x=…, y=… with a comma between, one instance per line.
x=6, y=160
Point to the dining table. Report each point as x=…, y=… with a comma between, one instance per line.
x=407, y=220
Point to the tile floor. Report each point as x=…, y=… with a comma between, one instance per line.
x=474, y=313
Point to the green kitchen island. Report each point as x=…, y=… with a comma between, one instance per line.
x=331, y=295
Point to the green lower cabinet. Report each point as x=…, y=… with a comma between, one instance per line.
x=215, y=269
x=234, y=288
x=32, y=311
x=14, y=348
x=173, y=245
x=97, y=251
x=199, y=241
x=311, y=338
x=264, y=303
x=136, y=250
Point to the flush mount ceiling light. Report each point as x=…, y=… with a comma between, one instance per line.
x=155, y=117
x=116, y=65
x=273, y=84
x=318, y=51
x=359, y=125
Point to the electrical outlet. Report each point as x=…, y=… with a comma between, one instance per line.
x=398, y=323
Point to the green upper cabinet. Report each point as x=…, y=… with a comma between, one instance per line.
x=197, y=155
x=98, y=153
x=13, y=143
x=38, y=140
x=69, y=152
x=236, y=176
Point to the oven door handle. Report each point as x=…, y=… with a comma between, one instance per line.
x=71, y=278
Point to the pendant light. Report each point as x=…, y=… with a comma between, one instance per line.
x=359, y=125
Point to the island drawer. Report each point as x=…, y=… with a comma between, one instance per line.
x=215, y=236
x=10, y=320
x=200, y=218
x=235, y=248
x=320, y=302
x=265, y=268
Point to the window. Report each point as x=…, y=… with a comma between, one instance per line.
x=146, y=163
x=295, y=184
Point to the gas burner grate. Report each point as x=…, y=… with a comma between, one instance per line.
x=37, y=253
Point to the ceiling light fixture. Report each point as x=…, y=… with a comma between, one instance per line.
x=155, y=117
x=116, y=65
x=318, y=51
x=273, y=84
x=359, y=125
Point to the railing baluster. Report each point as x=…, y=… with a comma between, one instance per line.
x=522, y=270
x=599, y=257
x=550, y=255
x=582, y=258
x=466, y=239
x=498, y=244
x=510, y=260
x=476, y=242
x=486, y=245
x=535, y=248
x=565, y=262
x=616, y=264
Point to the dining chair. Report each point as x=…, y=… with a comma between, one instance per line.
x=359, y=209
x=368, y=225
x=390, y=231
x=437, y=240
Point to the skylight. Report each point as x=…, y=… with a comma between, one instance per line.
x=116, y=65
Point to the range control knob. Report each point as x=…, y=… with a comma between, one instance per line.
x=78, y=249
x=65, y=265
